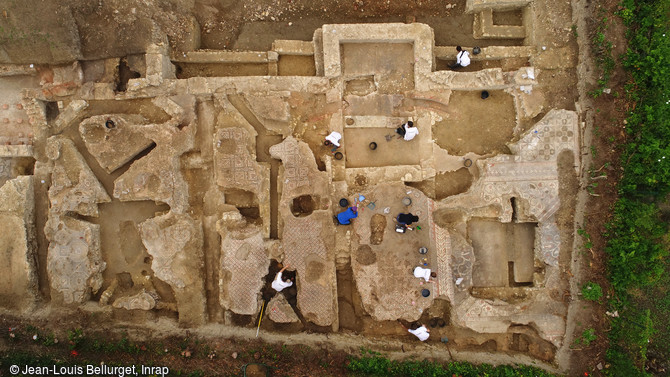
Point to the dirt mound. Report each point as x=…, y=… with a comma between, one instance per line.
x=365, y=256
x=377, y=227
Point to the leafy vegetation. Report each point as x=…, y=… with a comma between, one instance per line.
x=638, y=246
x=592, y=291
x=602, y=51
x=372, y=363
x=588, y=336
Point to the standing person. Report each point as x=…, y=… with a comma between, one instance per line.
x=420, y=332
x=407, y=131
x=344, y=218
x=462, y=59
x=280, y=283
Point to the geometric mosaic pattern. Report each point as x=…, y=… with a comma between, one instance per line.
x=234, y=165
x=246, y=262
x=445, y=282
x=296, y=165
x=280, y=311
x=74, y=260
x=557, y=131
x=462, y=260
x=302, y=241
x=530, y=173
x=550, y=242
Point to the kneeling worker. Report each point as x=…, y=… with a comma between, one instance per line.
x=407, y=131
x=344, y=218
x=421, y=332
x=280, y=283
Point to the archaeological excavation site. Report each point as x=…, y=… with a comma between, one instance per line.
x=166, y=187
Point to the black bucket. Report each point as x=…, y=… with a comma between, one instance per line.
x=485, y=94
x=373, y=146
x=344, y=202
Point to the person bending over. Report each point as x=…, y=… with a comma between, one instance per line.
x=462, y=59
x=333, y=139
x=280, y=283
x=420, y=332
x=407, y=131
x=407, y=219
x=344, y=218
x=420, y=272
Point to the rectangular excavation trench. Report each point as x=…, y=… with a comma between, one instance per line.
x=264, y=140
x=504, y=253
x=387, y=153
x=121, y=246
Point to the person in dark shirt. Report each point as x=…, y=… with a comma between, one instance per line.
x=407, y=219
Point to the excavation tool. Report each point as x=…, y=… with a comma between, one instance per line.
x=260, y=318
x=445, y=340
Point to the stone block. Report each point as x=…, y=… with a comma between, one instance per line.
x=293, y=47
x=113, y=145
x=18, y=282
x=74, y=259
x=68, y=116
x=472, y=6
x=280, y=311
x=74, y=187
x=483, y=28
x=175, y=241
x=205, y=56
x=140, y=301
x=16, y=150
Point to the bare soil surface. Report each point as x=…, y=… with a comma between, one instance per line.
x=476, y=125
x=605, y=134
x=60, y=32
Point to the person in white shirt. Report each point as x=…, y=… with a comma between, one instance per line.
x=279, y=283
x=333, y=139
x=424, y=273
x=407, y=131
x=462, y=58
x=421, y=332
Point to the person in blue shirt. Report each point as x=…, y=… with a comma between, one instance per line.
x=344, y=218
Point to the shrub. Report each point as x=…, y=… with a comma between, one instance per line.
x=591, y=291
x=636, y=233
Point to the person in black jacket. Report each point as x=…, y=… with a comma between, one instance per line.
x=407, y=219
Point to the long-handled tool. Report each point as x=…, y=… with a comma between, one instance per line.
x=445, y=340
x=259, y=319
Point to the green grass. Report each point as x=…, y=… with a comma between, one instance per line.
x=602, y=52
x=592, y=291
x=375, y=364
x=637, y=235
